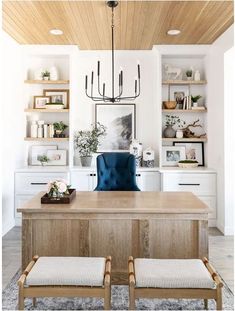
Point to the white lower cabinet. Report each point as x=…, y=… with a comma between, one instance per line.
x=203, y=185
x=87, y=180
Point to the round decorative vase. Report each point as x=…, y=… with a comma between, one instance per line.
x=197, y=76
x=136, y=149
x=179, y=134
x=195, y=105
x=46, y=78
x=86, y=161
x=169, y=132
x=54, y=74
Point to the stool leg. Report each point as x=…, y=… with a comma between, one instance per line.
x=107, y=297
x=21, y=300
x=206, y=304
x=219, y=299
x=131, y=297
x=34, y=301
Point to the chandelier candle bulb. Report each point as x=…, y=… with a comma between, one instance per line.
x=103, y=89
x=86, y=83
x=98, y=68
x=135, y=86
x=138, y=71
x=92, y=77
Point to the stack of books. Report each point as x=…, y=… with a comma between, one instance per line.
x=188, y=105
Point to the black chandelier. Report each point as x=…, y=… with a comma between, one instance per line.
x=113, y=98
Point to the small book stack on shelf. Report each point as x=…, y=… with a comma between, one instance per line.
x=188, y=104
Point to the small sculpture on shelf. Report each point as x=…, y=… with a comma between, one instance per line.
x=136, y=149
x=197, y=76
x=172, y=73
x=189, y=134
x=148, y=157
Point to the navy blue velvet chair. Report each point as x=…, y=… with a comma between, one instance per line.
x=116, y=171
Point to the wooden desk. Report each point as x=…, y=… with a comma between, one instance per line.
x=120, y=224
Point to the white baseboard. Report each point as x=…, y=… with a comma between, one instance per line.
x=225, y=230
x=7, y=227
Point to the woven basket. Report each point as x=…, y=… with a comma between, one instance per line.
x=169, y=104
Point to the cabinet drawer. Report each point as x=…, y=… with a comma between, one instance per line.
x=199, y=184
x=34, y=182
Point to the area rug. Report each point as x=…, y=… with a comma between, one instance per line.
x=119, y=301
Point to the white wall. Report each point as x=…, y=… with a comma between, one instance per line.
x=217, y=122
x=83, y=113
x=11, y=127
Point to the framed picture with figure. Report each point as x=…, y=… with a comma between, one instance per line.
x=171, y=155
x=120, y=122
x=193, y=151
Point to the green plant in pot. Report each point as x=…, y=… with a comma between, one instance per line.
x=43, y=159
x=87, y=142
x=195, y=100
x=170, y=121
x=46, y=75
x=59, y=128
x=189, y=74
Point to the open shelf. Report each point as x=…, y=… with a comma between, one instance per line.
x=184, y=110
x=184, y=139
x=184, y=82
x=47, y=139
x=45, y=110
x=47, y=81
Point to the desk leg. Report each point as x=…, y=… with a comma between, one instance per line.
x=203, y=238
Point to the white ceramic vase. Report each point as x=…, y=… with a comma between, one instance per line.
x=54, y=73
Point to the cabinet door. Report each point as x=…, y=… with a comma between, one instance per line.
x=82, y=181
x=148, y=181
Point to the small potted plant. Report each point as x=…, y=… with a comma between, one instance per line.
x=189, y=74
x=171, y=120
x=180, y=124
x=57, y=188
x=59, y=127
x=43, y=159
x=46, y=75
x=87, y=142
x=195, y=100
x=188, y=163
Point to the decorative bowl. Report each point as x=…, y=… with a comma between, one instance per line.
x=169, y=104
x=187, y=165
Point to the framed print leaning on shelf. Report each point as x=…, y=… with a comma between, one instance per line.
x=57, y=157
x=40, y=102
x=58, y=96
x=119, y=120
x=172, y=155
x=193, y=151
x=37, y=151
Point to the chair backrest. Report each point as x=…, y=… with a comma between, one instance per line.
x=116, y=171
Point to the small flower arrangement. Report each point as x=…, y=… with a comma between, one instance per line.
x=174, y=120
x=57, y=188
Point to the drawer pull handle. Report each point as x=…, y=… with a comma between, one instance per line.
x=138, y=175
x=38, y=183
x=92, y=174
x=189, y=184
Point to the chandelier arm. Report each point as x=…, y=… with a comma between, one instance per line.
x=94, y=98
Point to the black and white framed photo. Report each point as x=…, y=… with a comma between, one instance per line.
x=120, y=122
x=171, y=155
x=193, y=151
x=179, y=98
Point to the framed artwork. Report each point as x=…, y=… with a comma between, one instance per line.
x=39, y=102
x=37, y=151
x=120, y=122
x=179, y=98
x=57, y=157
x=171, y=155
x=193, y=151
x=58, y=96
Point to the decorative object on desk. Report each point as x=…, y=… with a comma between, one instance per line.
x=119, y=120
x=58, y=191
x=170, y=121
x=136, y=148
x=172, y=73
x=112, y=98
x=46, y=75
x=58, y=96
x=195, y=100
x=87, y=142
x=193, y=151
x=54, y=74
x=148, y=157
x=34, y=129
x=169, y=104
x=189, y=134
x=188, y=163
x=56, y=106
x=39, y=151
x=57, y=157
x=197, y=76
x=41, y=101
x=189, y=74
x=171, y=155
x=43, y=159
x=179, y=98
x=59, y=128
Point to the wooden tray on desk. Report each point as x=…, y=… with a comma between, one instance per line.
x=66, y=199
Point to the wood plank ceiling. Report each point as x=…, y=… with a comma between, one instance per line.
x=138, y=24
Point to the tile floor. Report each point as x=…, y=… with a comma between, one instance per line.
x=221, y=254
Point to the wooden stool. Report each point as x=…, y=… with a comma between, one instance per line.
x=173, y=278
x=66, y=277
